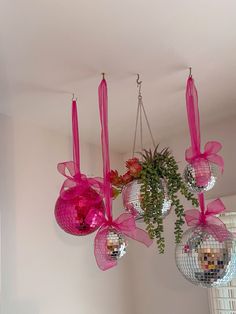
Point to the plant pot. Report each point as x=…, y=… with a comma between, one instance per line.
x=132, y=199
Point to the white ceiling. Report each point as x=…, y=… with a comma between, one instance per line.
x=50, y=49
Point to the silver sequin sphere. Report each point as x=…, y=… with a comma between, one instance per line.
x=204, y=261
x=132, y=200
x=195, y=174
x=116, y=244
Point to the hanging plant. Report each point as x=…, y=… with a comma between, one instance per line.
x=159, y=167
x=152, y=184
x=160, y=184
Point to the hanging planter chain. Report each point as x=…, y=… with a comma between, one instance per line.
x=139, y=119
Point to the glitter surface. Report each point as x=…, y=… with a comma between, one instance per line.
x=132, y=200
x=194, y=174
x=205, y=261
x=116, y=245
x=71, y=215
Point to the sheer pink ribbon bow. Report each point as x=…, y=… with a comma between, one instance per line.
x=208, y=220
x=125, y=223
x=210, y=153
x=77, y=183
x=193, y=154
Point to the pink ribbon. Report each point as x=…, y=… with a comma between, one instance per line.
x=125, y=223
x=207, y=219
x=193, y=154
x=77, y=183
x=210, y=153
x=103, y=109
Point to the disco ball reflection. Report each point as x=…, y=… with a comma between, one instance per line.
x=116, y=244
x=72, y=214
x=132, y=200
x=196, y=176
x=203, y=260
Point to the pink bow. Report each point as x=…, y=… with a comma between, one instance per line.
x=210, y=153
x=193, y=154
x=77, y=183
x=207, y=219
x=125, y=223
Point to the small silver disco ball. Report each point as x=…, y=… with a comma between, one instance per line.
x=195, y=176
x=132, y=199
x=116, y=244
x=203, y=260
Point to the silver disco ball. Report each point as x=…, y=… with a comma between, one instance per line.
x=116, y=244
x=132, y=199
x=203, y=260
x=195, y=176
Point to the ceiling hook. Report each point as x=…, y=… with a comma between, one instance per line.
x=138, y=80
x=190, y=71
x=74, y=98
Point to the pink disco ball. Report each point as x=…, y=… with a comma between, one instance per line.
x=72, y=214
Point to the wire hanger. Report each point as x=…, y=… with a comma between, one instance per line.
x=139, y=118
x=74, y=98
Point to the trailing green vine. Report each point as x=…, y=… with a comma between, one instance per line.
x=154, y=170
x=158, y=166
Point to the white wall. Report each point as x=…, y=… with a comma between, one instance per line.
x=45, y=270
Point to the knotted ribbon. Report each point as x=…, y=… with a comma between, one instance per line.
x=77, y=183
x=210, y=153
x=193, y=154
x=207, y=219
x=125, y=223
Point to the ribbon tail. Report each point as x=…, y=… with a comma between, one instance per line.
x=189, y=155
x=218, y=160
x=215, y=207
x=126, y=224
x=100, y=252
x=140, y=236
x=192, y=217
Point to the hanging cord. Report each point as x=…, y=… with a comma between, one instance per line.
x=136, y=129
x=139, y=118
x=141, y=125
x=75, y=136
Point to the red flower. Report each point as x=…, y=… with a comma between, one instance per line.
x=115, y=179
x=131, y=161
x=126, y=178
x=134, y=167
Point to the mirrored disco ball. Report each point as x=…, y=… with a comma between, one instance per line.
x=203, y=260
x=132, y=198
x=71, y=214
x=116, y=244
x=195, y=176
